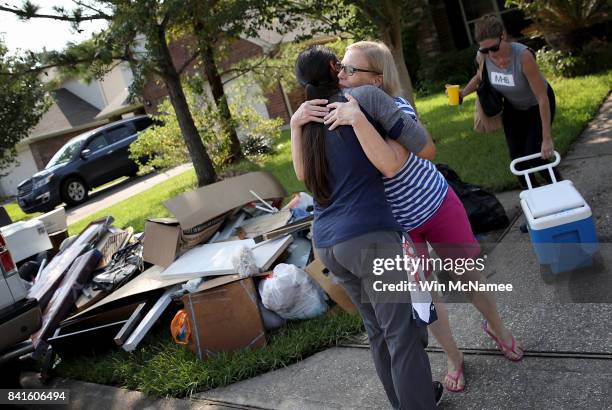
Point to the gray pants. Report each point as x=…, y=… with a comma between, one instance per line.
x=397, y=344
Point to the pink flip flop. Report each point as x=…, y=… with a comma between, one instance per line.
x=455, y=376
x=505, y=349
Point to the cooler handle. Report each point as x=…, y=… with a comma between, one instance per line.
x=528, y=171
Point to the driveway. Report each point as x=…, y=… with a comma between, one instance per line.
x=117, y=192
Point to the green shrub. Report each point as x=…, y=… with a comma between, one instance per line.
x=596, y=56
x=163, y=146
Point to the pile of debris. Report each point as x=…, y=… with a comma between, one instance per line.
x=230, y=266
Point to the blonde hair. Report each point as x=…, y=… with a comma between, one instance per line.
x=380, y=60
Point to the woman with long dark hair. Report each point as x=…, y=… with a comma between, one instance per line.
x=354, y=230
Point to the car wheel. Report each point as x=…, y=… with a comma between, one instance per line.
x=74, y=191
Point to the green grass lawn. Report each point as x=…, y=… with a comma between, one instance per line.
x=163, y=368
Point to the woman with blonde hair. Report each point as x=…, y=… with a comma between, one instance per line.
x=422, y=202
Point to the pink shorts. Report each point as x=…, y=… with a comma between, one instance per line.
x=448, y=232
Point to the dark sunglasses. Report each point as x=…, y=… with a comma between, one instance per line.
x=350, y=70
x=494, y=48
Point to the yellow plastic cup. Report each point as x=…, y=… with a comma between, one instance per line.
x=453, y=94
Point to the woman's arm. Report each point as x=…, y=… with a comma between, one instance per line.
x=473, y=83
x=539, y=88
x=380, y=153
x=309, y=111
x=396, y=123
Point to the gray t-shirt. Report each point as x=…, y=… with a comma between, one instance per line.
x=511, y=82
x=397, y=123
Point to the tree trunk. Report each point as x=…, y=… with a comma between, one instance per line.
x=216, y=86
x=391, y=35
x=202, y=163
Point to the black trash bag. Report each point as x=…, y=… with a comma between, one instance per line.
x=484, y=211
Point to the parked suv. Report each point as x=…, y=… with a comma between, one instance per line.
x=83, y=163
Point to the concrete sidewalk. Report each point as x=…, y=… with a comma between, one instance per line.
x=563, y=321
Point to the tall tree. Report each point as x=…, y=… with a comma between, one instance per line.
x=216, y=24
x=22, y=103
x=138, y=33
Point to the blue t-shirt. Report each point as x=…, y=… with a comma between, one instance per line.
x=358, y=203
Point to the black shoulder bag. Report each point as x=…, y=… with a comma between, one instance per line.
x=491, y=100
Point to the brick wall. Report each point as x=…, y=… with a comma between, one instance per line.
x=277, y=108
x=43, y=150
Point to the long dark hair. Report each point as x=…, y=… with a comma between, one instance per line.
x=314, y=70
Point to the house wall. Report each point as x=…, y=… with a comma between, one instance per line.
x=92, y=92
x=23, y=168
x=119, y=78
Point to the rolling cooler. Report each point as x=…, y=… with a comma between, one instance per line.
x=559, y=220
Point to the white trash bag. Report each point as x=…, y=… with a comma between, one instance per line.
x=292, y=294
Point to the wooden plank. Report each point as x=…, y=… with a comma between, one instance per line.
x=130, y=325
x=285, y=230
x=147, y=323
x=253, y=227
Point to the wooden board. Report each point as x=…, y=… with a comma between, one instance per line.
x=250, y=228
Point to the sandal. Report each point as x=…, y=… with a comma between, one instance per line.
x=455, y=377
x=505, y=349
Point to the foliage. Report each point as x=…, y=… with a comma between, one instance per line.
x=564, y=24
x=162, y=146
x=594, y=57
x=23, y=101
x=453, y=67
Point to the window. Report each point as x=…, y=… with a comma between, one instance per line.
x=472, y=10
x=65, y=153
x=97, y=143
x=143, y=123
x=119, y=133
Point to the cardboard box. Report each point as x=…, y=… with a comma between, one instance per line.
x=224, y=316
x=55, y=220
x=201, y=212
x=321, y=275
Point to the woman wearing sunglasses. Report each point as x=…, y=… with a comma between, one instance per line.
x=529, y=101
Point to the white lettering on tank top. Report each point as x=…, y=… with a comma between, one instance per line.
x=502, y=79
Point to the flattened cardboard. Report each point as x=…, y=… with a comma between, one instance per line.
x=336, y=292
x=210, y=201
x=224, y=318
